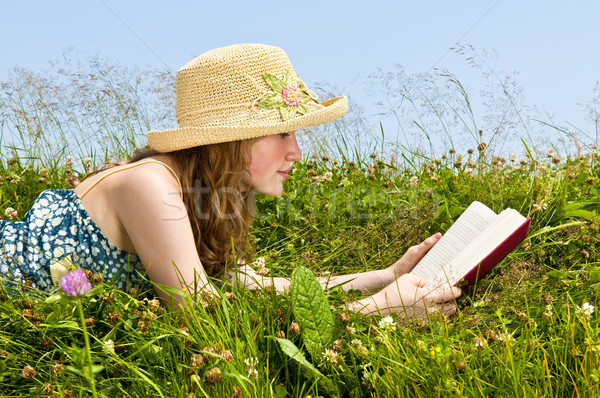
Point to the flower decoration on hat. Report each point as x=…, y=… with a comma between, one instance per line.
x=287, y=95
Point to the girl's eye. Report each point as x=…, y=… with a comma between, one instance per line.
x=283, y=135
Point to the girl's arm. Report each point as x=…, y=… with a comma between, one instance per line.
x=405, y=294
x=155, y=219
x=363, y=281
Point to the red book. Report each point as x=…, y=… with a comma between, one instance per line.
x=476, y=242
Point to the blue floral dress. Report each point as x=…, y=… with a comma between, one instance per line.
x=58, y=230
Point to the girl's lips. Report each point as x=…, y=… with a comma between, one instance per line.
x=283, y=174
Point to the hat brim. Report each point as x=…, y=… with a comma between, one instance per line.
x=189, y=137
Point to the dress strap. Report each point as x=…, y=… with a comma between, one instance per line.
x=129, y=166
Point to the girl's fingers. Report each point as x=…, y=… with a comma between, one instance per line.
x=448, y=308
x=416, y=253
x=431, y=241
x=443, y=295
x=415, y=280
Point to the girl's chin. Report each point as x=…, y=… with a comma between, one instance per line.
x=274, y=194
x=270, y=188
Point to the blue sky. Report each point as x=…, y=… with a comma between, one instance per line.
x=551, y=44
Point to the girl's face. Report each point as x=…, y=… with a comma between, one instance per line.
x=272, y=158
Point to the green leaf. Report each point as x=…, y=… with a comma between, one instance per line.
x=557, y=274
x=294, y=352
x=287, y=112
x=595, y=275
x=271, y=100
x=586, y=214
x=311, y=310
x=575, y=209
x=303, y=109
x=53, y=298
x=73, y=370
x=307, y=368
x=274, y=82
x=288, y=79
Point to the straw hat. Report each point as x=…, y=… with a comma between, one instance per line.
x=239, y=92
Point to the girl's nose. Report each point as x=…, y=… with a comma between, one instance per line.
x=294, y=152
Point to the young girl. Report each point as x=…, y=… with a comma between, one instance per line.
x=176, y=212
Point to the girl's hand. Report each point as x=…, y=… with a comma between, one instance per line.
x=412, y=256
x=409, y=297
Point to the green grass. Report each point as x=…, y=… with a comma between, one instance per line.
x=520, y=332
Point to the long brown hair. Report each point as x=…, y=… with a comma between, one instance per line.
x=218, y=204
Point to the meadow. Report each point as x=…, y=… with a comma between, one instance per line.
x=529, y=328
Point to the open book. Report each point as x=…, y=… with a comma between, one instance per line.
x=476, y=242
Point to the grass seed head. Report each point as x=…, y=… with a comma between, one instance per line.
x=227, y=356
x=28, y=372
x=143, y=325
x=114, y=316
x=584, y=254
x=337, y=345
x=28, y=303
x=46, y=342
x=196, y=361
x=57, y=369
x=236, y=392
x=213, y=376
x=107, y=298
x=48, y=388
x=230, y=296
x=294, y=328
x=210, y=350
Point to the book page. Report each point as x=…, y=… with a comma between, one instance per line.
x=505, y=224
x=468, y=226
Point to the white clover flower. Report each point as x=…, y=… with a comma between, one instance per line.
x=356, y=342
x=548, y=313
x=506, y=337
x=479, y=342
x=108, y=347
x=387, y=324
x=585, y=311
x=332, y=356
x=10, y=213
x=595, y=347
x=413, y=182
x=328, y=175
x=367, y=377
x=252, y=363
x=259, y=262
x=259, y=265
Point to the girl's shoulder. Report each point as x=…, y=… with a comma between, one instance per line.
x=155, y=172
